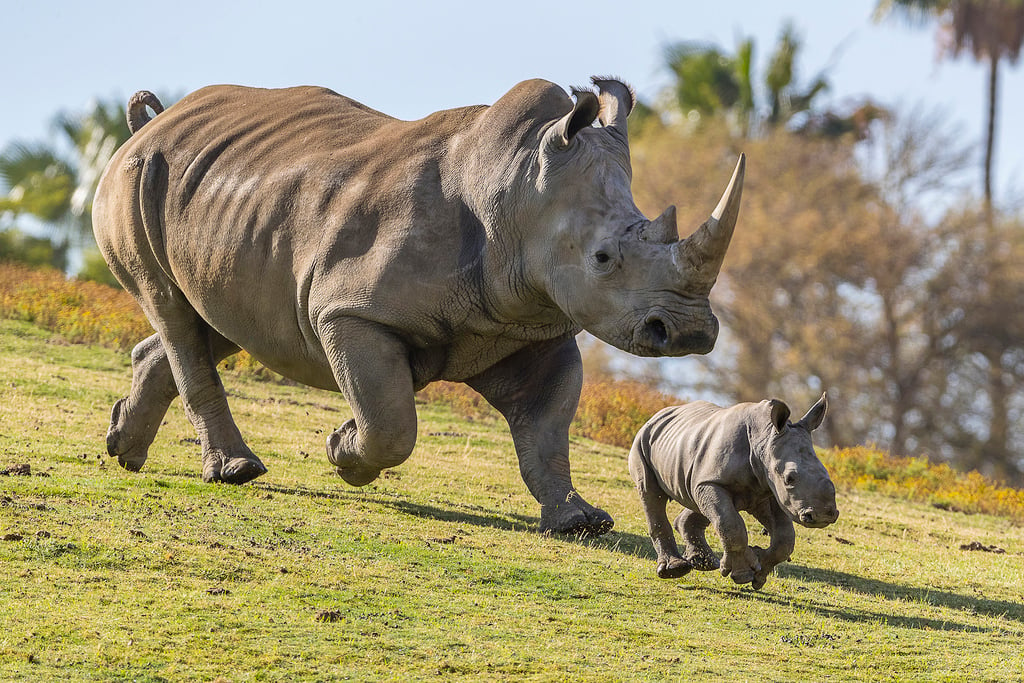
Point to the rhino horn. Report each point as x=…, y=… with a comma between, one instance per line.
x=617, y=100
x=701, y=254
x=662, y=230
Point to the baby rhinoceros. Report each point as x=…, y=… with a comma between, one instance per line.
x=717, y=461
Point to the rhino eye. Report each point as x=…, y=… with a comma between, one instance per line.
x=790, y=479
x=604, y=261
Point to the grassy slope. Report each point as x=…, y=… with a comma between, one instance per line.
x=434, y=569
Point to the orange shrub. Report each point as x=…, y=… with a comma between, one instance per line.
x=919, y=480
x=613, y=411
x=462, y=400
x=85, y=312
x=81, y=312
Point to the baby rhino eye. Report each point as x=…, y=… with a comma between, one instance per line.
x=790, y=479
x=601, y=257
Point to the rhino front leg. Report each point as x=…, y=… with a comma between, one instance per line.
x=692, y=526
x=783, y=539
x=739, y=560
x=670, y=564
x=135, y=419
x=371, y=367
x=537, y=390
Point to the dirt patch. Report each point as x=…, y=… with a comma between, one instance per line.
x=978, y=545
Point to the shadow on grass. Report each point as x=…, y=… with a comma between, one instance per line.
x=879, y=589
x=475, y=515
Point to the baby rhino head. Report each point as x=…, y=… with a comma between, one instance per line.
x=797, y=478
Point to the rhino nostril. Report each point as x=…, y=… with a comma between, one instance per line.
x=657, y=331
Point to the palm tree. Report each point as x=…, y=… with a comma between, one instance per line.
x=991, y=30
x=55, y=186
x=712, y=83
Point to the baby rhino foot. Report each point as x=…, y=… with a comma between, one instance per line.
x=703, y=561
x=741, y=566
x=768, y=563
x=673, y=568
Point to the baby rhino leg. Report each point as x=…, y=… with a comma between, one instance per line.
x=691, y=526
x=670, y=564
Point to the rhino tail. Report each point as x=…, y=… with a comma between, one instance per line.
x=137, y=114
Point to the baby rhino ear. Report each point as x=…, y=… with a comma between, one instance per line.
x=812, y=420
x=779, y=414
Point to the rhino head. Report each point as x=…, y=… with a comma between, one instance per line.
x=630, y=281
x=795, y=474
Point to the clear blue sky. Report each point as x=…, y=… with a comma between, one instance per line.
x=410, y=58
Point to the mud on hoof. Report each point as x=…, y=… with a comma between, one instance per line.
x=575, y=516
x=703, y=561
x=131, y=456
x=219, y=466
x=673, y=568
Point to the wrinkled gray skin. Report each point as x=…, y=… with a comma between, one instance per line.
x=717, y=461
x=358, y=253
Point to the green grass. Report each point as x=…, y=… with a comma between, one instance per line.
x=436, y=569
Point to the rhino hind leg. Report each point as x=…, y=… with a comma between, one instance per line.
x=691, y=526
x=136, y=418
x=191, y=350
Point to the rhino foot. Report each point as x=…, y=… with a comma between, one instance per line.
x=341, y=454
x=575, y=516
x=742, y=566
x=131, y=453
x=703, y=561
x=673, y=568
x=767, y=565
x=219, y=466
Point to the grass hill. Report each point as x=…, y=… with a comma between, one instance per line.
x=436, y=570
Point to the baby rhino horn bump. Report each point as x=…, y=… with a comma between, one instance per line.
x=705, y=249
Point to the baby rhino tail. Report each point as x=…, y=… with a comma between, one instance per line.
x=137, y=114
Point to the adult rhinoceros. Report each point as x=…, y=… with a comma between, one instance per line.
x=355, y=252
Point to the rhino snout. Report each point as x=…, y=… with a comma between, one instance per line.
x=660, y=337
x=818, y=517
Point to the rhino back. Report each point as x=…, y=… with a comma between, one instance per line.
x=270, y=208
x=697, y=443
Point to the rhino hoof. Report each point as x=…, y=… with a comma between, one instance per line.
x=127, y=457
x=674, y=568
x=217, y=466
x=241, y=470
x=742, y=577
x=576, y=521
x=358, y=476
x=703, y=562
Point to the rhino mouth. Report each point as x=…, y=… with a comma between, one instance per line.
x=657, y=336
x=816, y=518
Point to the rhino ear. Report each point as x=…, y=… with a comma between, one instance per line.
x=779, y=414
x=812, y=420
x=583, y=113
